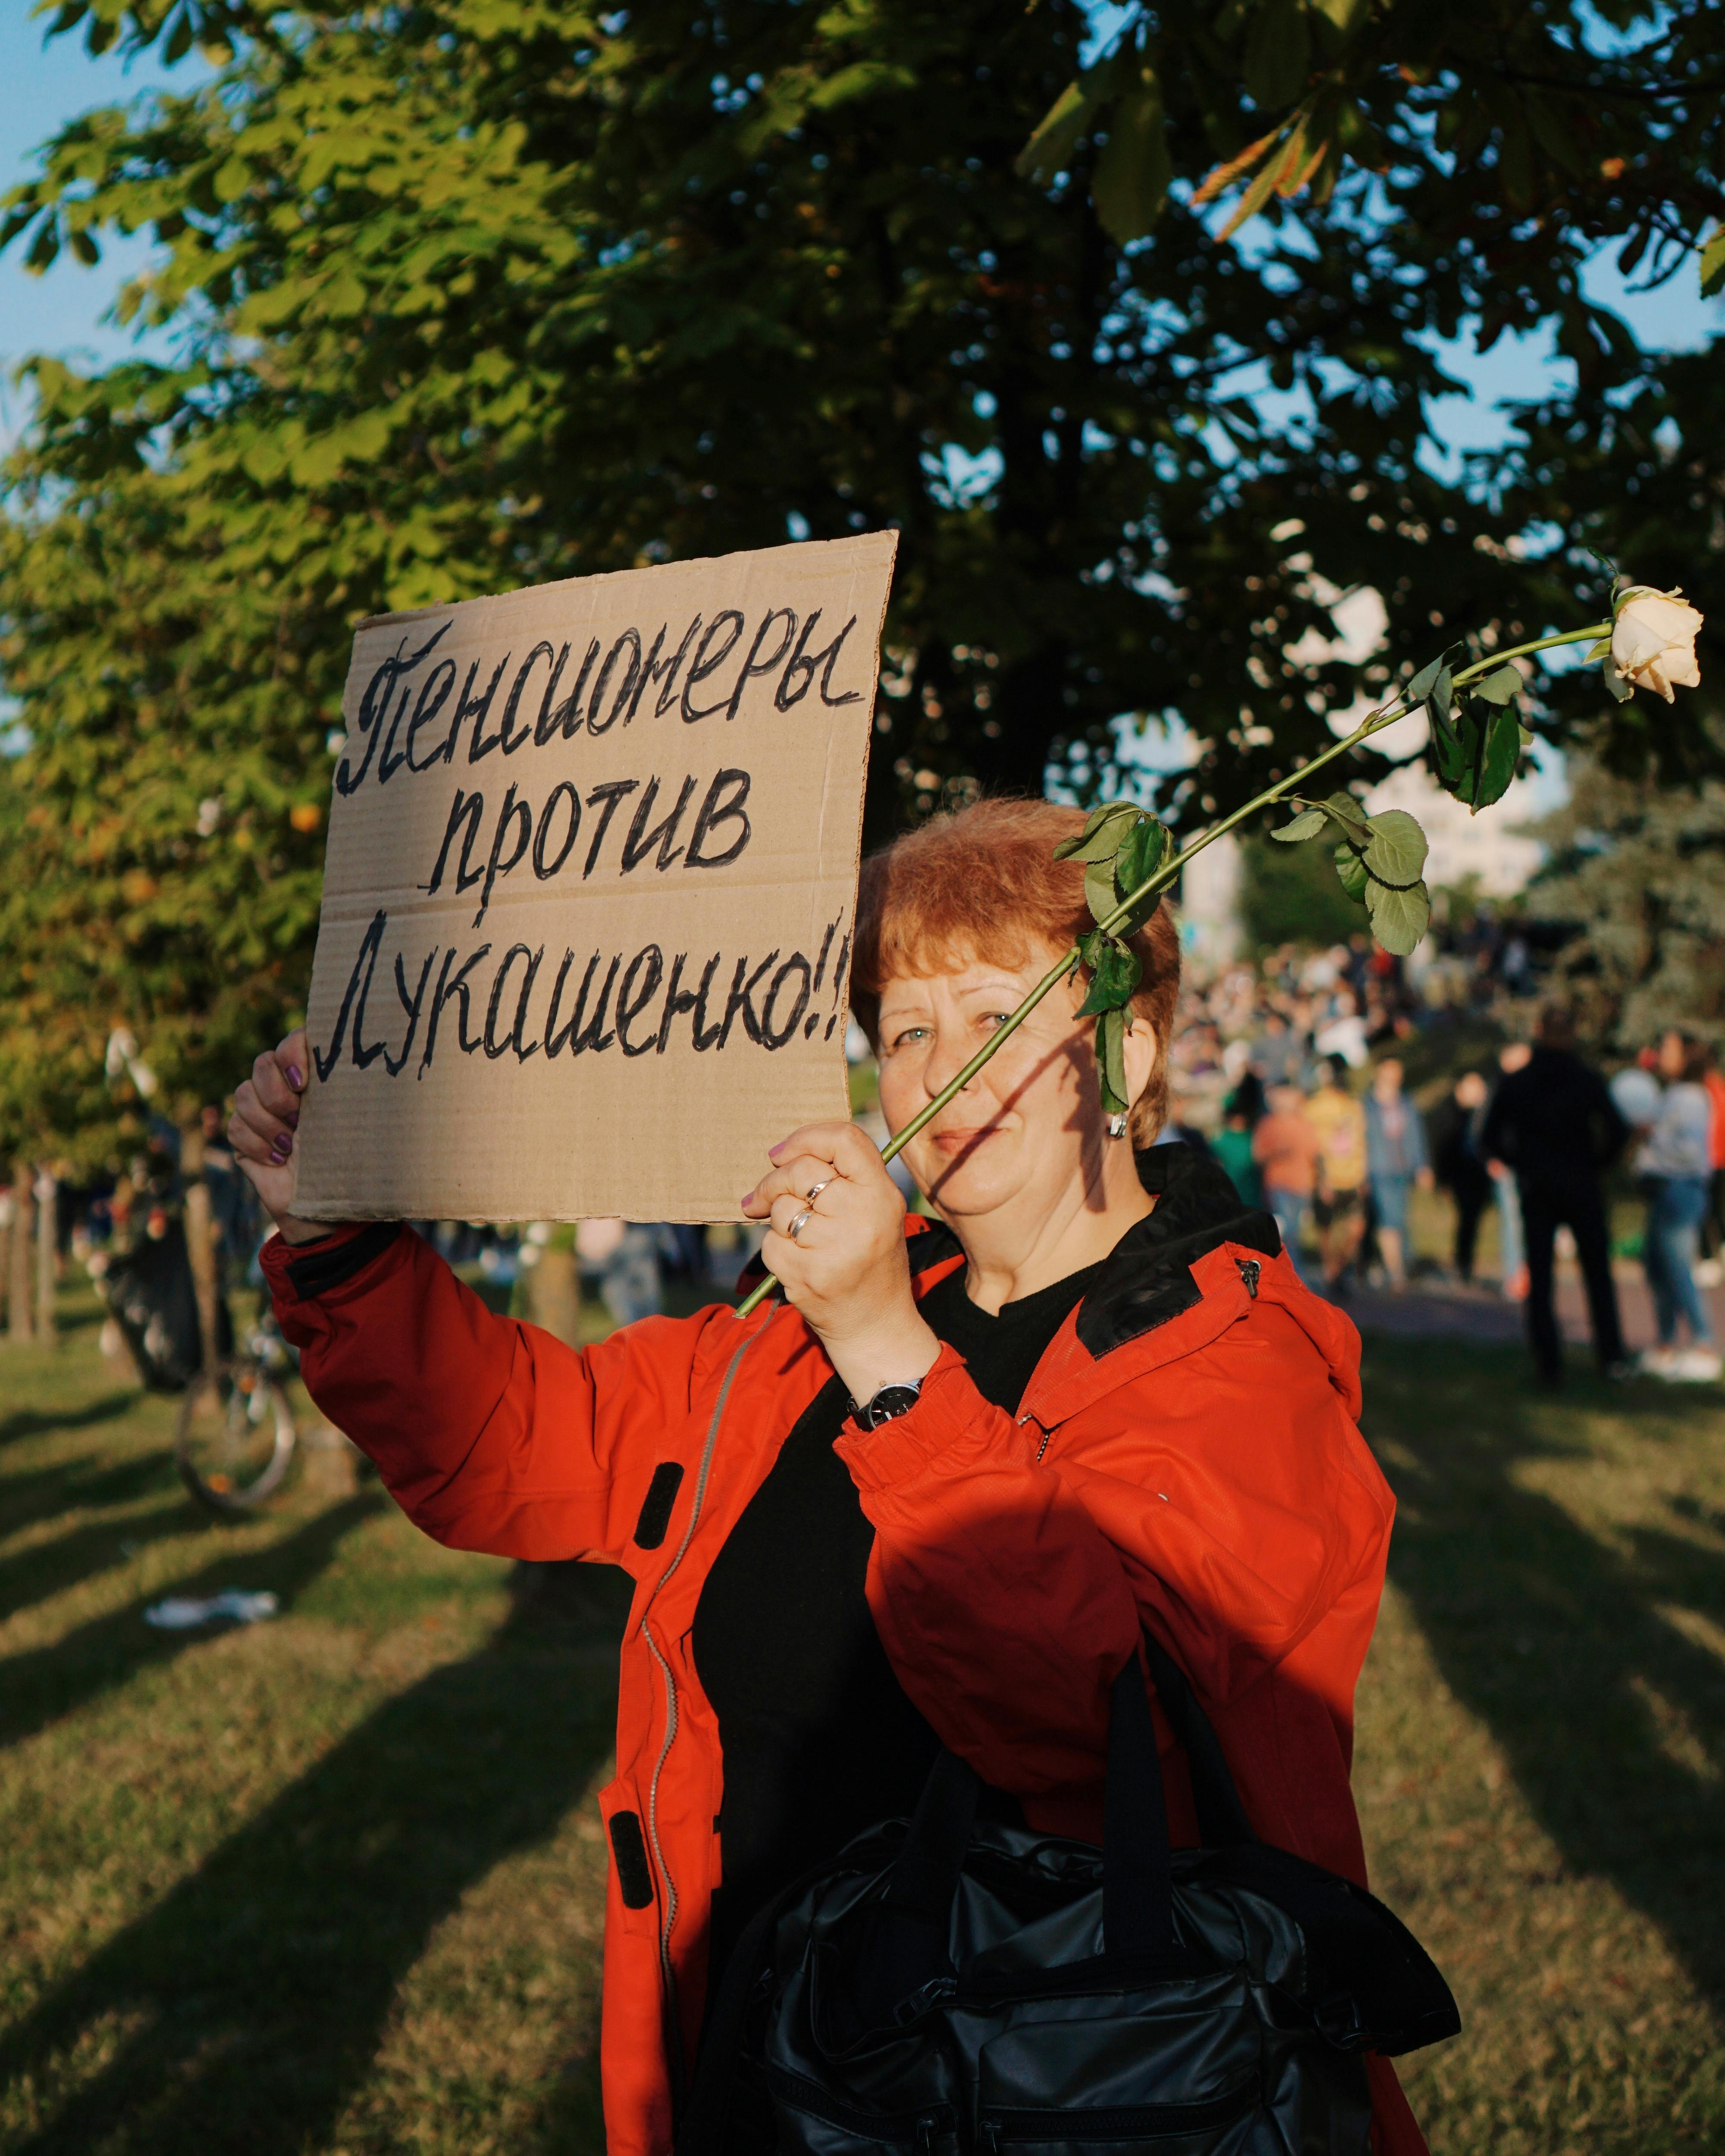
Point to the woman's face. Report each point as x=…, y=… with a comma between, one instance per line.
x=1672, y=1057
x=1031, y=1120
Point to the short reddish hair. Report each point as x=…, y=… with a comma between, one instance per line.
x=983, y=883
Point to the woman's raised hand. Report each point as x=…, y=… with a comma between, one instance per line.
x=266, y=1114
x=846, y=1270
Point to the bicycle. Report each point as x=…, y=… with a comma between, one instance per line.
x=236, y=1435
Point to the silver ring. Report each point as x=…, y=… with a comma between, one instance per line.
x=799, y=1224
x=809, y=1196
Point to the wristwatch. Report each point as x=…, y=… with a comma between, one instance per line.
x=887, y=1405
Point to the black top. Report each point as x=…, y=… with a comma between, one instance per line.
x=1553, y=1119
x=819, y=1738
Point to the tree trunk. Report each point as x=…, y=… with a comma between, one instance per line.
x=47, y=1212
x=200, y=1239
x=24, y=1212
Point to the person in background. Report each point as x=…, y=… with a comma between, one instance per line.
x=1339, y=1201
x=1232, y=1146
x=1284, y=1149
x=1554, y=1125
x=1456, y=1162
x=1512, y=1241
x=1708, y=1273
x=1676, y=1165
x=618, y=1261
x=1275, y=1052
x=1396, y=1159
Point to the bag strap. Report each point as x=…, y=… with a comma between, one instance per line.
x=1222, y=1823
x=1138, y=1864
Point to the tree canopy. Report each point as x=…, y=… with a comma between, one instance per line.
x=473, y=293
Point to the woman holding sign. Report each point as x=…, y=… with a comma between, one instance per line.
x=932, y=1494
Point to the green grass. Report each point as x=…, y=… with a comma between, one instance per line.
x=335, y=1883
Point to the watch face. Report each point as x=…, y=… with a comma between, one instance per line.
x=889, y=1402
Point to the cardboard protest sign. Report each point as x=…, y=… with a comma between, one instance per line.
x=589, y=891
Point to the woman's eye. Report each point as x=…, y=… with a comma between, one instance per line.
x=910, y=1036
x=995, y=1018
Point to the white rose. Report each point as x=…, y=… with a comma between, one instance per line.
x=1653, y=642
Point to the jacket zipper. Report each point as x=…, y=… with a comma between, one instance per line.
x=667, y=1976
x=1123, y=2123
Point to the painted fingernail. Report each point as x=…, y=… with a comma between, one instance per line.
x=292, y=1119
x=282, y=1147
x=296, y=1078
x=744, y=1200
x=773, y=1152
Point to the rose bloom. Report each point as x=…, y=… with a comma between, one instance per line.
x=1653, y=642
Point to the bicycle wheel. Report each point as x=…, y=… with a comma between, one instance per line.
x=236, y=1440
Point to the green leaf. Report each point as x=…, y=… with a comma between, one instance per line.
x=1496, y=763
x=1712, y=262
x=1111, y=1061
x=1134, y=169
x=1278, y=54
x=1423, y=681
x=1397, y=853
x=1306, y=825
x=1344, y=810
x=1496, y=688
x=1620, y=684
x=1351, y=869
x=1602, y=649
x=1103, y=830
x=1400, y=918
x=1116, y=970
x=1142, y=852
x=1099, y=894
x=1068, y=118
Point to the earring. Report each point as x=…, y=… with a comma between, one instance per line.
x=1117, y=1127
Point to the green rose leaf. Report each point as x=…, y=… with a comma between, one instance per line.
x=1400, y=918
x=1111, y=1061
x=1496, y=763
x=1397, y=853
x=1499, y=687
x=1620, y=687
x=1141, y=852
x=1116, y=970
x=1420, y=687
x=1306, y=825
x=1343, y=810
x=1099, y=895
x=1100, y=838
x=1351, y=869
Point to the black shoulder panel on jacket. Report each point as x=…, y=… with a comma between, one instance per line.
x=325, y=1266
x=1147, y=1279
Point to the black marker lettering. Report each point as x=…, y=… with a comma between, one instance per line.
x=754, y=666
x=704, y=666
x=820, y=963
x=512, y=1038
x=631, y=637
x=844, y=960
x=394, y=1064
x=497, y=866
x=359, y=982
x=653, y=670
x=465, y=809
x=707, y=1036
x=540, y=869
x=611, y=792
x=574, y=1036
x=440, y=680
x=567, y=714
x=679, y=999
x=375, y=704
x=629, y=1005
x=558, y=659
x=478, y=746
x=445, y=988
x=739, y=1004
x=784, y=696
x=776, y=1037
x=640, y=841
x=714, y=811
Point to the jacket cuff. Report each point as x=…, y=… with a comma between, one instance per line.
x=946, y=1416
x=300, y=1272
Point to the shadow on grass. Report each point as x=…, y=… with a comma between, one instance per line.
x=42, y=1422
x=1611, y=1719
x=254, y=1994
x=39, y=1687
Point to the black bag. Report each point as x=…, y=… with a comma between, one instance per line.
x=960, y=1984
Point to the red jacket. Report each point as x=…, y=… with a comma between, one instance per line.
x=1185, y=1456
